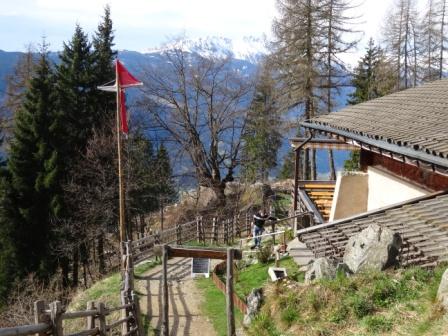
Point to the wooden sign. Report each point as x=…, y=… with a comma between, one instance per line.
x=200, y=266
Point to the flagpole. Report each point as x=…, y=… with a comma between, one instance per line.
x=121, y=196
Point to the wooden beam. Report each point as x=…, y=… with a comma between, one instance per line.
x=323, y=144
x=196, y=252
x=165, y=302
x=230, y=307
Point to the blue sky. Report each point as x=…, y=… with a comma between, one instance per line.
x=145, y=24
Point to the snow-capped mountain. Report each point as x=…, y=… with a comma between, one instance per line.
x=247, y=48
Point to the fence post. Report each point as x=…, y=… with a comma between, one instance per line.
x=138, y=317
x=214, y=233
x=39, y=314
x=198, y=230
x=130, y=266
x=90, y=320
x=229, y=294
x=165, y=302
x=56, y=320
x=201, y=222
x=178, y=234
x=102, y=318
x=124, y=313
x=226, y=231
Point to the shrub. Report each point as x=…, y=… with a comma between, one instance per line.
x=264, y=254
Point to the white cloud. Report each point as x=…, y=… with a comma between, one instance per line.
x=144, y=24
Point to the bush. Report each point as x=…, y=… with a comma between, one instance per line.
x=264, y=254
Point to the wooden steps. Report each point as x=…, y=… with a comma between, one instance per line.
x=321, y=194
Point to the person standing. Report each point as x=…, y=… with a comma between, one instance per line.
x=260, y=219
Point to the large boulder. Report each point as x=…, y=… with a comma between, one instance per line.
x=374, y=248
x=320, y=268
x=254, y=300
x=442, y=293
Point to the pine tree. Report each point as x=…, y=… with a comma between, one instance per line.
x=261, y=136
x=76, y=91
x=103, y=69
x=373, y=76
x=164, y=175
x=32, y=195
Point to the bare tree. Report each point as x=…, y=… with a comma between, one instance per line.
x=296, y=57
x=201, y=103
x=401, y=40
x=334, y=25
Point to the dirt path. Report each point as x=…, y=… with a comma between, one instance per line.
x=185, y=317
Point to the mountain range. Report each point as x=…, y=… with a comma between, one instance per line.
x=246, y=56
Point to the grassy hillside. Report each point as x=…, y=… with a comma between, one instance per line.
x=399, y=302
x=106, y=291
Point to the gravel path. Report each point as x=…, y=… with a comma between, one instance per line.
x=185, y=316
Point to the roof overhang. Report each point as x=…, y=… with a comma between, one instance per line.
x=405, y=154
x=318, y=143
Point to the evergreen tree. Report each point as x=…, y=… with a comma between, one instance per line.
x=164, y=175
x=76, y=92
x=261, y=136
x=373, y=76
x=103, y=68
x=287, y=169
x=31, y=193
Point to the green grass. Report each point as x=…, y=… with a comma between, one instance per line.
x=106, y=290
x=256, y=276
x=214, y=306
x=399, y=302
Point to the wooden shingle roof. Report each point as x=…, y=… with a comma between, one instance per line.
x=415, y=119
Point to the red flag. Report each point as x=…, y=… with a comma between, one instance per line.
x=123, y=114
x=125, y=77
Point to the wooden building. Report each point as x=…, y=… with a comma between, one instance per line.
x=403, y=178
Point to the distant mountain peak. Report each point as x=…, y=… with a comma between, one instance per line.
x=247, y=48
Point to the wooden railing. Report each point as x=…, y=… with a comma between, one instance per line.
x=212, y=230
x=49, y=320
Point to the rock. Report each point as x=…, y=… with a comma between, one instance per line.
x=442, y=292
x=233, y=188
x=253, y=300
x=343, y=268
x=320, y=268
x=374, y=248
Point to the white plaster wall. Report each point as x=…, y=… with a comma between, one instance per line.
x=386, y=189
x=350, y=195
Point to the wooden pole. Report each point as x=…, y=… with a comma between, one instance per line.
x=39, y=313
x=165, y=302
x=90, y=319
x=102, y=318
x=296, y=177
x=56, y=318
x=229, y=294
x=122, y=225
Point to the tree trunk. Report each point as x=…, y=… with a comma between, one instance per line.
x=75, y=267
x=100, y=252
x=331, y=163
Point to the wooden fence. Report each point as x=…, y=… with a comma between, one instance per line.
x=221, y=285
x=210, y=230
x=49, y=320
